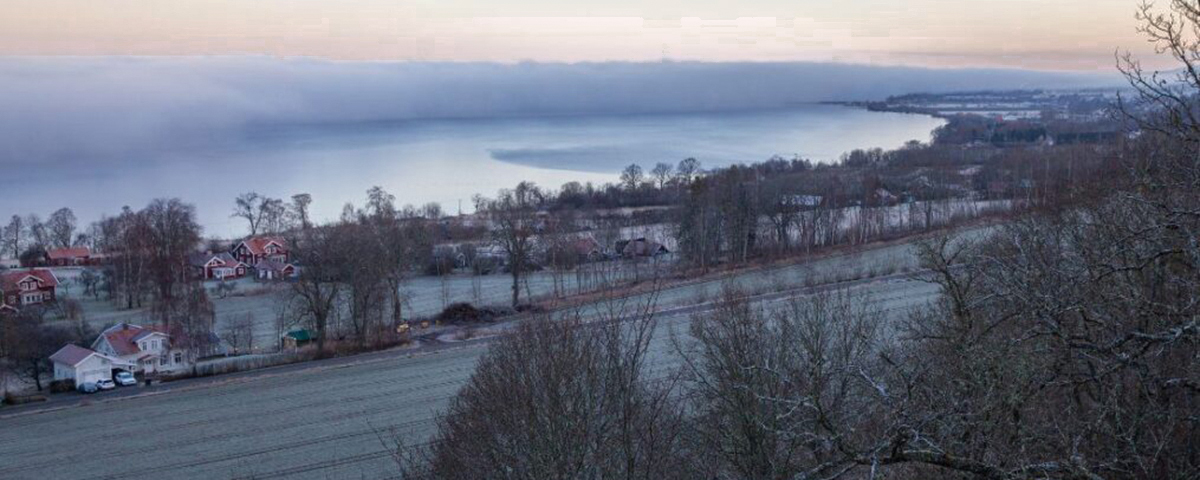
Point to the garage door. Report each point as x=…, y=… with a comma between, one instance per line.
x=89, y=376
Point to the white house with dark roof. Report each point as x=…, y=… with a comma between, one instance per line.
x=82, y=365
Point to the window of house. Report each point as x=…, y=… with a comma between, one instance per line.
x=166, y=360
x=178, y=357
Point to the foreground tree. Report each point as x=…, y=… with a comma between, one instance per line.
x=558, y=399
x=781, y=393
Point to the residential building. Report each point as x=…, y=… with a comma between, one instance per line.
x=149, y=349
x=641, y=247
x=256, y=249
x=269, y=269
x=67, y=257
x=22, y=288
x=83, y=365
x=217, y=266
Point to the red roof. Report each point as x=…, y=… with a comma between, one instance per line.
x=71, y=355
x=9, y=280
x=124, y=337
x=258, y=245
x=67, y=253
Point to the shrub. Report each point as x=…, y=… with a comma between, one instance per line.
x=11, y=399
x=461, y=312
x=60, y=386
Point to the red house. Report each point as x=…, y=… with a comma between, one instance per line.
x=208, y=266
x=256, y=249
x=65, y=257
x=21, y=288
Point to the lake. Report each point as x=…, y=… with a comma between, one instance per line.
x=448, y=161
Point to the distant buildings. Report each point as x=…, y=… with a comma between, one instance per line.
x=267, y=258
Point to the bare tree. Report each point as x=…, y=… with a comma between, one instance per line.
x=513, y=215
x=560, y=399
x=274, y=216
x=39, y=235
x=265, y=214
x=299, y=208
x=61, y=227
x=632, y=177
x=320, y=252
x=239, y=333
x=687, y=170
x=173, y=234
x=781, y=393
x=15, y=234
x=662, y=174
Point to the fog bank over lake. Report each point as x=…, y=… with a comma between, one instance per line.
x=96, y=134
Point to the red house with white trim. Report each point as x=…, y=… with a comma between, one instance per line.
x=256, y=249
x=220, y=266
x=21, y=288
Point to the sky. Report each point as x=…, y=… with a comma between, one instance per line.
x=1078, y=35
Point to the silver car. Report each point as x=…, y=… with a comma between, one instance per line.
x=125, y=379
x=105, y=384
x=87, y=387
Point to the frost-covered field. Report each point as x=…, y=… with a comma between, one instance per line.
x=426, y=296
x=313, y=423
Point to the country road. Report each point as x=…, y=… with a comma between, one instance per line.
x=318, y=421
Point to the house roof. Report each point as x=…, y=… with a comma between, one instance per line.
x=65, y=253
x=71, y=354
x=258, y=245
x=202, y=259
x=268, y=264
x=123, y=337
x=9, y=280
x=586, y=245
x=643, y=247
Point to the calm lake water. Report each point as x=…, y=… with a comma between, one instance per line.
x=448, y=161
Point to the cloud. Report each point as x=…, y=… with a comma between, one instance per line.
x=85, y=115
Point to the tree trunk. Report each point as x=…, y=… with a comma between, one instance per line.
x=320, y=324
x=516, y=286
x=397, y=313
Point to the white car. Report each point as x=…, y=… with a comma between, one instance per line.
x=125, y=379
x=105, y=384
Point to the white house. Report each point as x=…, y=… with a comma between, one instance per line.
x=84, y=366
x=148, y=349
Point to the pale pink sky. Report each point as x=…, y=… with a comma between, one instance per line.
x=1040, y=34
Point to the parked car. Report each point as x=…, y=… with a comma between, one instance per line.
x=88, y=387
x=125, y=379
x=106, y=384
